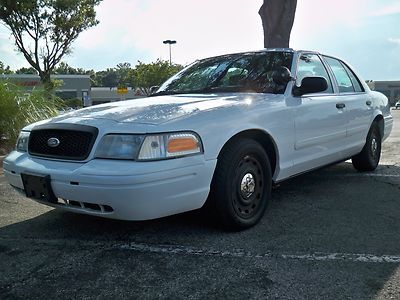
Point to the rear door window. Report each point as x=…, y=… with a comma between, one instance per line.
x=356, y=82
x=342, y=78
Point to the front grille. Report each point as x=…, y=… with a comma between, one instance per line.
x=73, y=142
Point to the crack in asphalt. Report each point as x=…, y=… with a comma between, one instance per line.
x=195, y=251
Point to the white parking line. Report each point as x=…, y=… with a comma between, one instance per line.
x=360, y=175
x=166, y=249
x=188, y=250
x=347, y=257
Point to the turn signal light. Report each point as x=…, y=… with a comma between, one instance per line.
x=182, y=144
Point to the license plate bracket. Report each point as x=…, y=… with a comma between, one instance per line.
x=38, y=187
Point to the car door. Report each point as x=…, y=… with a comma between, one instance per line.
x=320, y=122
x=359, y=110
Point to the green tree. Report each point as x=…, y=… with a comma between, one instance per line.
x=277, y=19
x=24, y=70
x=95, y=79
x=45, y=29
x=123, y=70
x=65, y=69
x=108, y=77
x=144, y=76
x=5, y=69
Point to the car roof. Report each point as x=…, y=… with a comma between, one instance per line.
x=290, y=50
x=299, y=51
x=265, y=50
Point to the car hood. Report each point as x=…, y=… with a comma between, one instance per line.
x=160, y=109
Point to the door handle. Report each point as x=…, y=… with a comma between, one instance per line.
x=368, y=102
x=340, y=105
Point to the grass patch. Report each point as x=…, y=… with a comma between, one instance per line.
x=19, y=108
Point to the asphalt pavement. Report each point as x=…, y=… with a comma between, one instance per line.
x=330, y=234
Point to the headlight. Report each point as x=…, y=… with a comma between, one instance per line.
x=119, y=146
x=22, y=141
x=148, y=147
x=170, y=145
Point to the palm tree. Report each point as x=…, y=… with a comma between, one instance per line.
x=277, y=19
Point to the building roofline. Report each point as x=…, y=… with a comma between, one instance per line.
x=386, y=81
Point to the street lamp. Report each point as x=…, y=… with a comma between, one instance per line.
x=169, y=42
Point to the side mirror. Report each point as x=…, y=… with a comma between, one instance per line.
x=281, y=76
x=310, y=85
x=154, y=89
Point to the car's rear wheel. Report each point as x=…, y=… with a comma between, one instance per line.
x=368, y=158
x=241, y=185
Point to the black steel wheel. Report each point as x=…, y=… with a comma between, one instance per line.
x=368, y=158
x=241, y=185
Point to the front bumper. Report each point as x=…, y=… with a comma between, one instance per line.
x=119, y=189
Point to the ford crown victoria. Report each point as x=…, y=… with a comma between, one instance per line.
x=220, y=132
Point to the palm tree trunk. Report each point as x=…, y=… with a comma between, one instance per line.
x=277, y=19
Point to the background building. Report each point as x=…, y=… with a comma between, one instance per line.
x=106, y=94
x=390, y=88
x=75, y=87
x=71, y=86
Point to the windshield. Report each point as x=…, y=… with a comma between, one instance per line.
x=246, y=72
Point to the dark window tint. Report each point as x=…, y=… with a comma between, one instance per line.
x=356, y=83
x=342, y=78
x=311, y=65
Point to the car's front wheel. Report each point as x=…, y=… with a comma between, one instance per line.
x=368, y=158
x=241, y=185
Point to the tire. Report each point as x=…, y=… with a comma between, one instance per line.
x=368, y=158
x=241, y=186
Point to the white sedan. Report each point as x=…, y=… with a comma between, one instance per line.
x=220, y=132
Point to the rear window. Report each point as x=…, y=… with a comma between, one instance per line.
x=354, y=80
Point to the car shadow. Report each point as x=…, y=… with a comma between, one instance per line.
x=320, y=203
x=332, y=210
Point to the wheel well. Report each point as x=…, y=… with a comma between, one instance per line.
x=265, y=141
x=381, y=124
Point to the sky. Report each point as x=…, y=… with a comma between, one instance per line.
x=365, y=33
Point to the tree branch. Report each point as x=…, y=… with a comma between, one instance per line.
x=55, y=23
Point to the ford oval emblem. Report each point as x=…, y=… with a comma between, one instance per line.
x=53, y=142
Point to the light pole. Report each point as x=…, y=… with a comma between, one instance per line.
x=169, y=42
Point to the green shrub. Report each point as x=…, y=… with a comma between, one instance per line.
x=19, y=108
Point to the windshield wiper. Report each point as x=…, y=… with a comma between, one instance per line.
x=199, y=91
x=163, y=93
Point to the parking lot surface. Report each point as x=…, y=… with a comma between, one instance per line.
x=331, y=234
